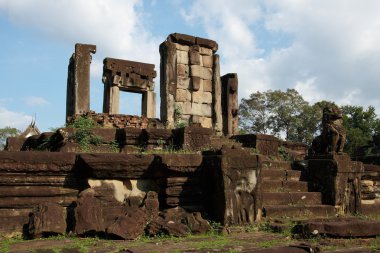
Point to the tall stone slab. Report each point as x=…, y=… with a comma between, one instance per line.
x=78, y=80
x=217, y=96
x=230, y=104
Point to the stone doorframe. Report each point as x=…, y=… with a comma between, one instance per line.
x=122, y=75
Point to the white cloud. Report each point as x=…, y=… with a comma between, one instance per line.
x=18, y=120
x=116, y=27
x=332, y=50
x=35, y=101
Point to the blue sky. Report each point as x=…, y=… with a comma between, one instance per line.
x=324, y=49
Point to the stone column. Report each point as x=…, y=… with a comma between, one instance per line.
x=230, y=104
x=111, y=102
x=217, y=97
x=78, y=81
x=148, y=105
x=168, y=82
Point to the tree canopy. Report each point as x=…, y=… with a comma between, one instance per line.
x=286, y=114
x=279, y=113
x=5, y=133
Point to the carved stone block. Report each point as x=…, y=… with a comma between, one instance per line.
x=183, y=82
x=196, y=83
x=182, y=47
x=182, y=57
x=202, y=72
x=195, y=57
x=206, y=98
x=205, y=51
x=183, y=95
x=207, y=61
x=196, y=109
x=206, y=122
x=196, y=97
x=206, y=110
x=183, y=70
x=207, y=85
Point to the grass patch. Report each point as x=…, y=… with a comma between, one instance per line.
x=6, y=244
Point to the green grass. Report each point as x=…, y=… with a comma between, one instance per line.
x=7, y=243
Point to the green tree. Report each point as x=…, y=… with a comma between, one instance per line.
x=360, y=125
x=5, y=133
x=279, y=113
x=254, y=114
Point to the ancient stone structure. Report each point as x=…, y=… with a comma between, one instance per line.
x=339, y=180
x=191, y=87
x=55, y=182
x=123, y=75
x=78, y=80
x=333, y=136
x=230, y=104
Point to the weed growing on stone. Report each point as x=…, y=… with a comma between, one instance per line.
x=83, y=135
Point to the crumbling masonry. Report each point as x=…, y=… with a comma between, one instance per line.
x=50, y=185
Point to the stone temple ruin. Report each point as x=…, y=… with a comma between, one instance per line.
x=172, y=175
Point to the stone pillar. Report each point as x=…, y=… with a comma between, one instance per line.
x=111, y=104
x=168, y=82
x=338, y=179
x=230, y=104
x=78, y=80
x=186, y=80
x=148, y=105
x=217, y=97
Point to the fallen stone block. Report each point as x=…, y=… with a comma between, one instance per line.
x=130, y=226
x=340, y=227
x=47, y=219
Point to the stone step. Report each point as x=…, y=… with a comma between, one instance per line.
x=284, y=186
x=218, y=142
x=282, y=175
x=292, y=198
x=284, y=165
x=281, y=211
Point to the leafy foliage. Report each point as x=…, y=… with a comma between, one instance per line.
x=288, y=114
x=5, y=133
x=277, y=112
x=361, y=125
x=83, y=135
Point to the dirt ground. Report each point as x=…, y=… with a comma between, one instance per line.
x=234, y=241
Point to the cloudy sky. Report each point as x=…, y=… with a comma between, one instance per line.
x=325, y=49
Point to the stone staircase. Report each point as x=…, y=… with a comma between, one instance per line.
x=286, y=193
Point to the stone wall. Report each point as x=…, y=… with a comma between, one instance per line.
x=371, y=189
x=233, y=195
x=98, y=189
x=263, y=143
x=339, y=180
x=28, y=179
x=119, y=120
x=190, y=82
x=115, y=140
